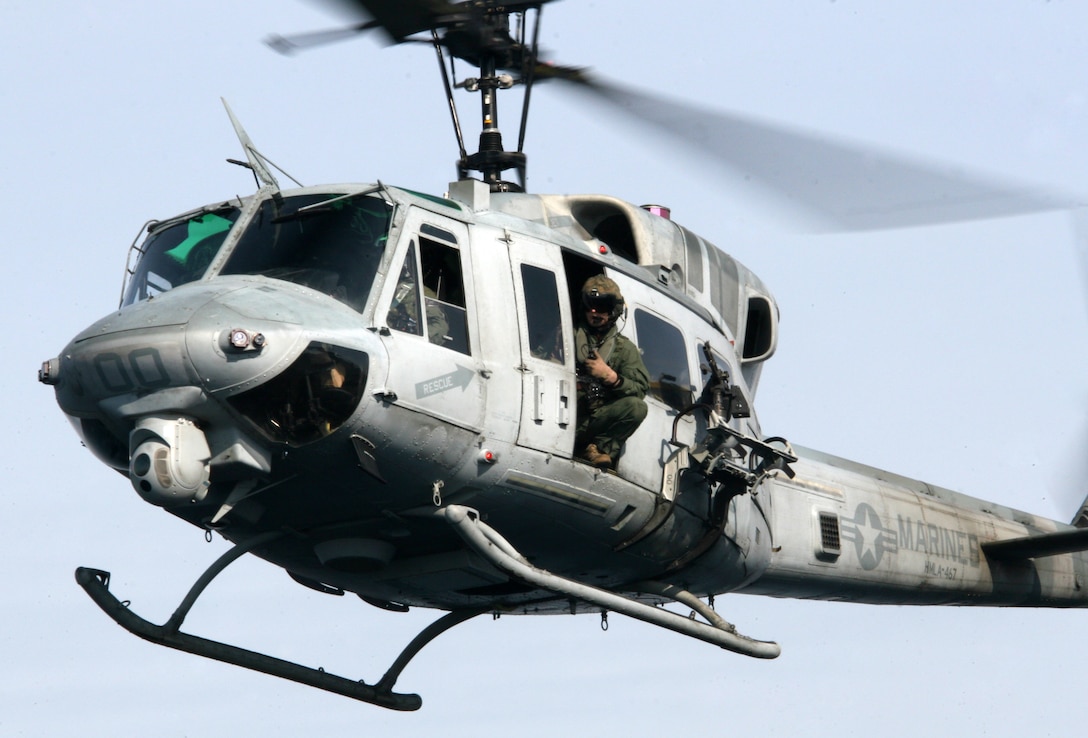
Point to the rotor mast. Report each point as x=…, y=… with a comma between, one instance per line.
x=475, y=31
x=486, y=41
x=491, y=160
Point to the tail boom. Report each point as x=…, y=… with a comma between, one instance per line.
x=844, y=531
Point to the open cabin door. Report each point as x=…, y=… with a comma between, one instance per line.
x=548, y=398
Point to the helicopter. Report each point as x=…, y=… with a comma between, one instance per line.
x=138, y=387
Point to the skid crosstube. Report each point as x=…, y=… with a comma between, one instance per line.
x=487, y=542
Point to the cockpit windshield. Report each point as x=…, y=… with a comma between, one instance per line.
x=328, y=242
x=178, y=252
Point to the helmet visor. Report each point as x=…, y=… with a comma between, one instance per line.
x=599, y=302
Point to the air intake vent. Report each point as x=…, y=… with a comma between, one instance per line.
x=830, y=542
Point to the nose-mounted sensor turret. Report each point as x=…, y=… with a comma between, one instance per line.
x=170, y=458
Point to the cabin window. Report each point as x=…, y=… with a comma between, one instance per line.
x=329, y=243
x=542, y=313
x=443, y=294
x=178, y=252
x=665, y=355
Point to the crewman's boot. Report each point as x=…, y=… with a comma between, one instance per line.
x=594, y=456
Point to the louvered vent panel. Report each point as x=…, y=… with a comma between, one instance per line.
x=829, y=534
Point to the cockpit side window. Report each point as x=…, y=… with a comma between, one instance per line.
x=443, y=293
x=178, y=252
x=404, y=310
x=327, y=242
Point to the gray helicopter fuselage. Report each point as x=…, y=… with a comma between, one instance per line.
x=339, y=364
x=251, y=382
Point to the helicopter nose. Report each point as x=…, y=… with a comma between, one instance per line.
x=175, y=351
x=155, y=389
x=130, y=363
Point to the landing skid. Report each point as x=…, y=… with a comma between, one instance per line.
x=96, y=584
x=481, y=538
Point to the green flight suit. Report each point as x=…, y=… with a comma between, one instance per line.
x=608, y=418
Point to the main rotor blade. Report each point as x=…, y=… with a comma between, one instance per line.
x=403, y=18
x=288, y=45
x=849, y=186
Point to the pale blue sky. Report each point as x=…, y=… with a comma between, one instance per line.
x=955, y=355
